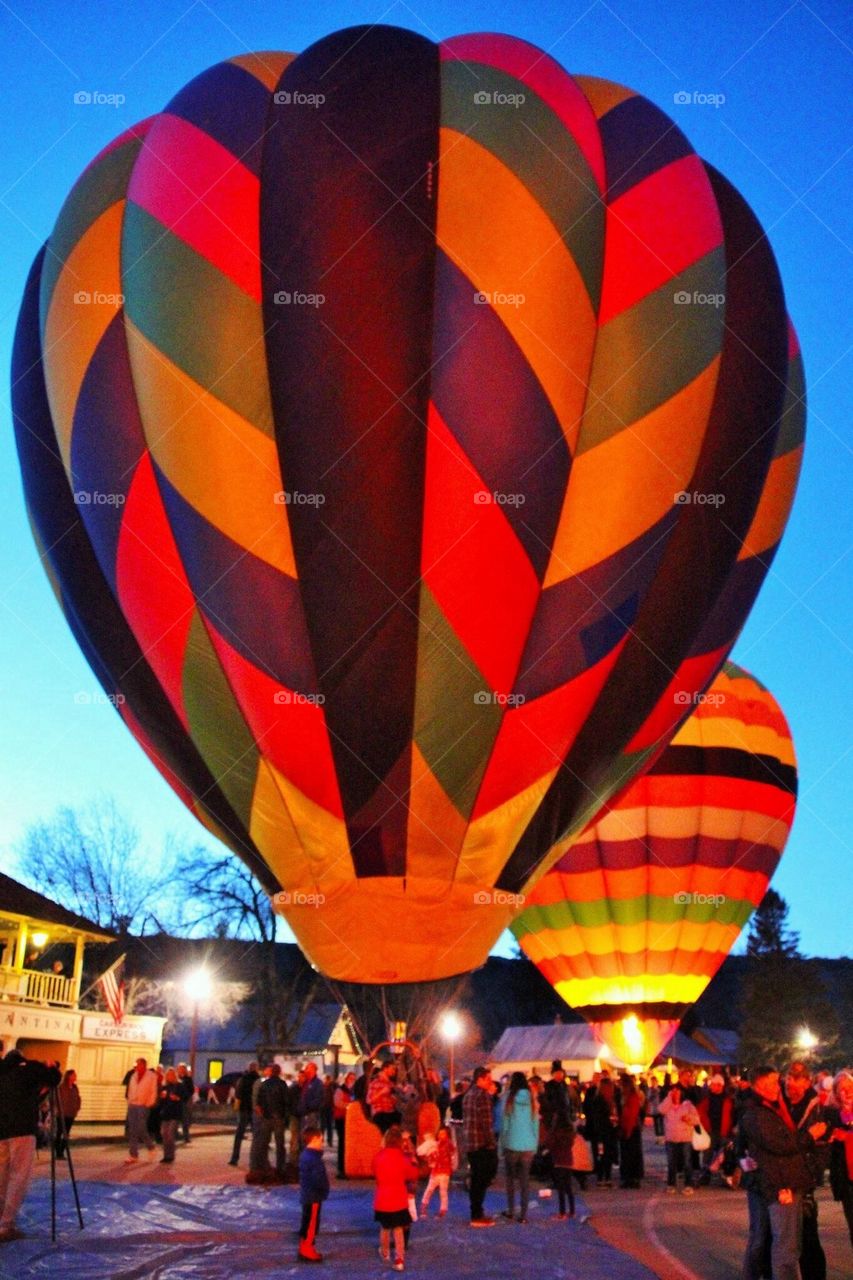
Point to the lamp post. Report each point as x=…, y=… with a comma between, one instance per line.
x=806, y=1040
x=197, y=985
x=451, y=1030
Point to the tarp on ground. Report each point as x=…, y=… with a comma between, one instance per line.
x=135, y=1232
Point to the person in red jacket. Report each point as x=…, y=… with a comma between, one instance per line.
x=393, y=1171
x=717, y=1116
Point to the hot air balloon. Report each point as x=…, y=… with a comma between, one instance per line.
x=376, y=410
x=638, y=914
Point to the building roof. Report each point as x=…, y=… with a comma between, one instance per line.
x=19, y=902
x=542, y=1044
x=707, y=1047
x=240, y=1034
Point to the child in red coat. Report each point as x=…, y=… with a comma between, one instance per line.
x=393, y=1170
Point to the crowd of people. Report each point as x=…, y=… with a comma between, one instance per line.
x=776, y=1136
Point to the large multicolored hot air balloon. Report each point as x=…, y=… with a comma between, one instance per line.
x=403, y=430
x=637, y=915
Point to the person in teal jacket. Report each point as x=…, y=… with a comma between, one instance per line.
x=519, y=1140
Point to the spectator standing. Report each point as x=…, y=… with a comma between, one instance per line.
x=243, y=1095
x=187, y=1087
x=519, y=1140
x=439, y=1151
x=273, y=1114
x=680, y=1119
x=782, y=1172
x=68, y=1097
x=313, y=1190
x=602, y=1130
x=716, y=1115
x=142, y=1091
x=840, y=1122
x=561, y=1145
x=800, y=1107
x=21, y=1084
x=342, y=1097
x=327, y=1112
x=311, y=1098
x=480, y=1143
x=631, y=1167
x=393, y=1171
x=382, y=1098
x=171, y=1098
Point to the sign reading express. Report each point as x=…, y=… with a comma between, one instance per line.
x=102, y=1027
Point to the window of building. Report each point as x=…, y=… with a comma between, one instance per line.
x=214, y=1069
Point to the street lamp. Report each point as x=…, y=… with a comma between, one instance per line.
x=197, y=985
x=451, y=1030
x=806, y=1040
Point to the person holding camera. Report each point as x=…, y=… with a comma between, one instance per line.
x=22, y=1086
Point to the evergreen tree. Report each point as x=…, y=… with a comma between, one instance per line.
x=769, y=934
x=783, y=994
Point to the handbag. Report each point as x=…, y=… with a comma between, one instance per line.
x=701, y=1139
x=581, y=1155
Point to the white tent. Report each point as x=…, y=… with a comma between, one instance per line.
x=532, y=1049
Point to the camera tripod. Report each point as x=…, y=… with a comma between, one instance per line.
x=59, y=1130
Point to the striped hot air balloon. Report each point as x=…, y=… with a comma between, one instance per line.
x=403, y=429
x=637, y=915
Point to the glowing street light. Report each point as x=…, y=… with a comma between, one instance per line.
x=806, y=1040
x=451, y=1029
x=198, y=986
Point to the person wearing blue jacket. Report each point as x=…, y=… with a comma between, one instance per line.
x=519, y=1140
x=313, y=1190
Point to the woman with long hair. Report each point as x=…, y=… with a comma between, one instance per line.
x=630, y=1134
x=519, y=1140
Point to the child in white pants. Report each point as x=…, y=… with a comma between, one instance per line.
x=439, y=1151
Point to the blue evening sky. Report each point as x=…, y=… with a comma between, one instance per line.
x=781, y=135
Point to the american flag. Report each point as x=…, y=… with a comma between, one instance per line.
x=113, y=991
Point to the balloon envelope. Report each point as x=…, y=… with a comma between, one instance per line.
x=641, y=910
x=404, y=429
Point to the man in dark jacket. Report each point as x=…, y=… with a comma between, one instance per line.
x=555, y=1099
x=311, y=1099
x=22, y=1083
x=243, y=1094
x=782, y=1175
x=272, y=1114
x=187, y=1087
x=800, y=1101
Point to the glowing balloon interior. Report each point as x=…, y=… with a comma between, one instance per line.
x=638, y=914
